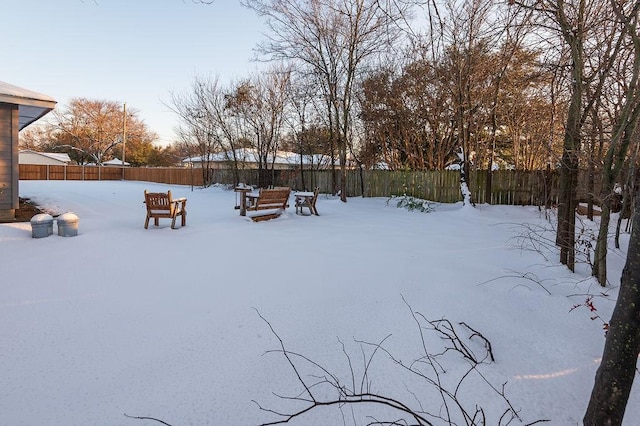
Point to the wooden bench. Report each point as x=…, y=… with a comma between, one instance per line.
x=268, y=199
x=162, y=205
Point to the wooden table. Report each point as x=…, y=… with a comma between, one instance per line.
x=243, y=190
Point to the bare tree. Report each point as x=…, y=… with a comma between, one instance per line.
x=624, y=124
x=38, y=137
x=333, y=39
x=90, y=129
x=308, y=135
x=199, y=125
x=576, y=23
x=258, y=106
x=509, y=56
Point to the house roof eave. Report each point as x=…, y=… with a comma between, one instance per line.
x=31, y=105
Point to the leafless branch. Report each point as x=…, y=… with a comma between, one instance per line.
x=452, y=409
x=286, y=355
x=487, y=343
x=526, y=276
x=146, y=418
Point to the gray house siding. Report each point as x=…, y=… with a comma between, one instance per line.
x=18, y=108
x=8, y=158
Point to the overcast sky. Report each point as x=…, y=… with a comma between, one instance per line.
x=133, y=51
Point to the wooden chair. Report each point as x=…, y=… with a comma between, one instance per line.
x=308, y=202
x=162, y=205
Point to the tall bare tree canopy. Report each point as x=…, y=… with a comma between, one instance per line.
x=249, y=114
x=332, y=41
x=595, y=49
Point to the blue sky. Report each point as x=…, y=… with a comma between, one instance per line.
x=133, y=51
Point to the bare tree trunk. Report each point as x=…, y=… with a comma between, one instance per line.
x=600, y=253
x=567, y=202
x=617, y=370
x=625, y=211
x=565, y=237
x=627, y=200
x=343, y=176
x=547, y=178
x=613, y=163
x=591, y=183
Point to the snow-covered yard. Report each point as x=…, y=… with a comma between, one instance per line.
x=166, y=323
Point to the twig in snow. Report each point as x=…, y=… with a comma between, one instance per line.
x=146, y=418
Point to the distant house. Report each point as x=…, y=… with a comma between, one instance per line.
x=247, y=158
x=116, y=162
x=18, y=108
x=28, y=156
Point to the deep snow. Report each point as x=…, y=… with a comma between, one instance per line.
x=165, y=323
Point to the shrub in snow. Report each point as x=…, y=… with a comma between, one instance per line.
x=412, y=203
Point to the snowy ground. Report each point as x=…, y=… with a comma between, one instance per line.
x=164, y=323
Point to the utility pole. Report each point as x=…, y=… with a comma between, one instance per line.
x=124, y=135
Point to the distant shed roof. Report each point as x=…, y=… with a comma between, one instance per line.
x=115, y=162
x=59, y=156
x=31, y=105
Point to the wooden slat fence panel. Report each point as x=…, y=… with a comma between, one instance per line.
x=168, y=175
x=32, y=172
x=508, y=186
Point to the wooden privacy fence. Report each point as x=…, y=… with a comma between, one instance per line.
x=49, y=172
x=169, y=175
x=508, y=186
